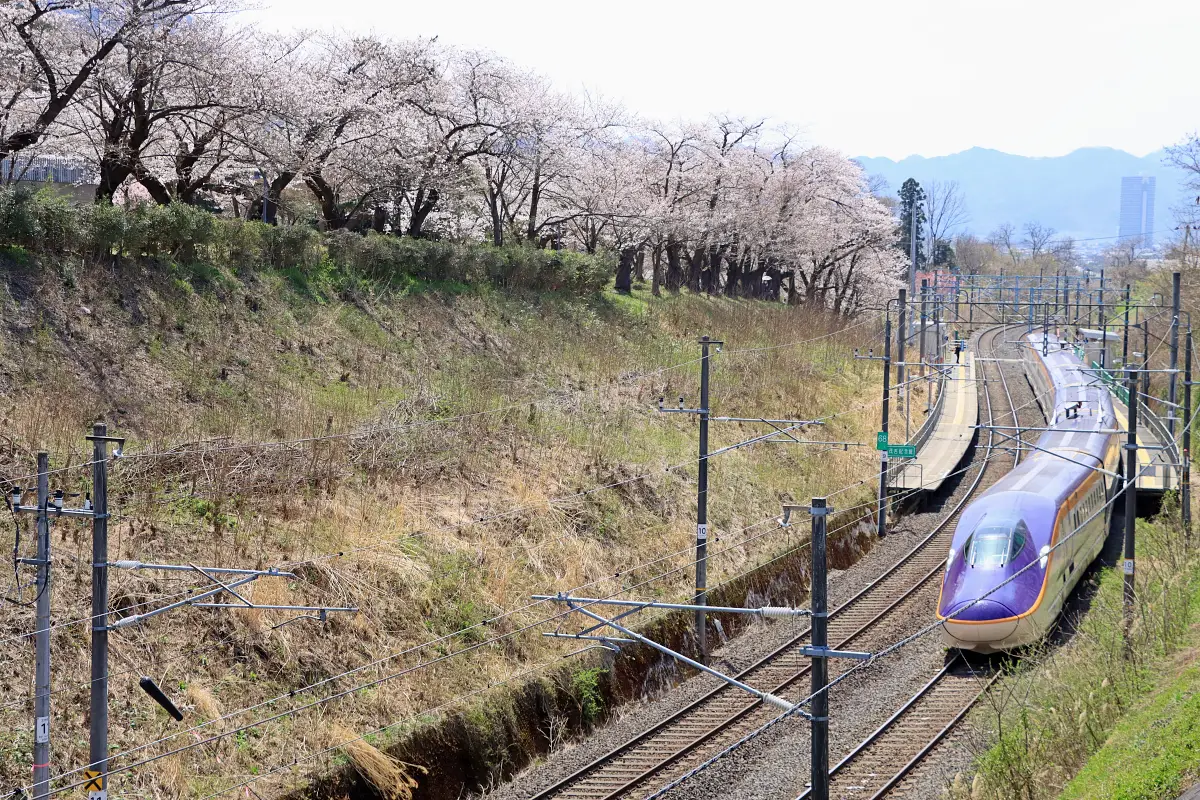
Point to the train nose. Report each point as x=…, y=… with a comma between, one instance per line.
x=979, y=611
x=972, y=621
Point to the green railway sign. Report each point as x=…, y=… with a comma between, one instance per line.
x=881, y=440
x=902, y=451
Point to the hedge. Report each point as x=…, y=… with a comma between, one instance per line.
x=45, y=223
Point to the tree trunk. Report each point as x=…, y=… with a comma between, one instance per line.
x=695, y=264
x=712, y=275
x=656, y=271
x=158, y=191
x=639, y=267
x=733, y=273
x=793, y=298
x=112, y=174
x=674, y=266
x=331, y=214
x=423, y=205
x=752, y=283
x=493, y=204
x=535, y=196
x=274, y=192
x=624, y=282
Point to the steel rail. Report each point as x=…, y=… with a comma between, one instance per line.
x=928, y=706
x=626, y=768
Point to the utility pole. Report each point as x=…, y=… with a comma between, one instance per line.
x=1131, y=448
x=1185, y=489
x=820, y=664
x=887, y=390
x=1146, y=357
x=1125, y=335
x=98, y=740
x=901, y=367
x=702, y=507
x=96, y=775
x=935, y=356
x=1045, y=328
x=1172, y=397
x=41, y=709
x=1102, y=325
x=921, y=346
x=912, y=254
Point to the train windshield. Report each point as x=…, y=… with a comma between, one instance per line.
x=995, y=544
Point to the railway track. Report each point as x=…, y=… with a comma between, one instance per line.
x=706, y=725
x=881, y=765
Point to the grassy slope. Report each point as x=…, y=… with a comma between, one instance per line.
x=211, y=361
x=1154, y=753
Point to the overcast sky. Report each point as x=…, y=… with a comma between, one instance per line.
x=869, y=77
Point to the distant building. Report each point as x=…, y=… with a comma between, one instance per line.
x=40, y=169
x=67, y=177
x=1137, y=209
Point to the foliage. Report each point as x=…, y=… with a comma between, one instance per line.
x=169, y=102
x=912, y=216
x=586, y=685
x=43, y=223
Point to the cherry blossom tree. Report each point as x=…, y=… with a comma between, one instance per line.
x=51, y=49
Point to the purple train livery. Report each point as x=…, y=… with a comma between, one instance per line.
x=1031, y=514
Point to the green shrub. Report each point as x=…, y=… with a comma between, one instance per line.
x=586, y=685
x=44, y=222
x=38, y=220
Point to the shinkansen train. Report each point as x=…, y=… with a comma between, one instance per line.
x=1021, y=518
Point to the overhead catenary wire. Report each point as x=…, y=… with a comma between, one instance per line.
x=577, y=495
x=389, y=725
x=385, y=678
x=876, y=657
x=367, y=431
x=426, y=663
x=369, y=684
x=428, y=644
x=599, y=488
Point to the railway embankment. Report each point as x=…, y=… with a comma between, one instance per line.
x=432, y=455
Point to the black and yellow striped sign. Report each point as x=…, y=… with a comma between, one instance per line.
x=93, y=780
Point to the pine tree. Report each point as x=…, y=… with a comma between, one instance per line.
x=912, y=194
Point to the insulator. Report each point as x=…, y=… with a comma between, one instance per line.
x=779, y=612
x=778, y=702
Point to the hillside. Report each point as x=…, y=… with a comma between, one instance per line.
x=430, y=453
x=1078, y=194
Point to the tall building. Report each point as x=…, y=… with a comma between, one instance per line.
x=1137, y=209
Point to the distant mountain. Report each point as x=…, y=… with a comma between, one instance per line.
x=1077, y=194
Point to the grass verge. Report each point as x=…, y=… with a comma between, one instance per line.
x=1074, y=710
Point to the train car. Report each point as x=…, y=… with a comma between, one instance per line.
x=1021, y=519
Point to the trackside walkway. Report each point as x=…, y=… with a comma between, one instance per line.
x=952, y=435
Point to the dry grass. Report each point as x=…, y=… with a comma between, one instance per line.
x=402, y=506
x=203, y=702
x=390, y=777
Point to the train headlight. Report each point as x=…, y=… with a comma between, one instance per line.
x=1045, y=556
